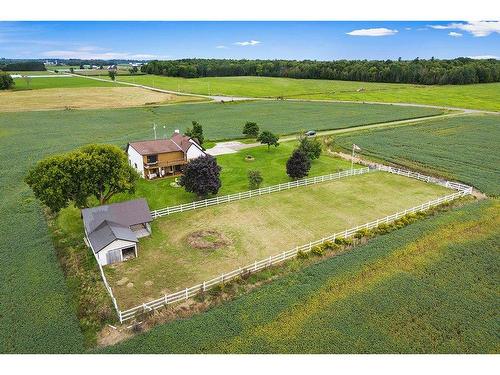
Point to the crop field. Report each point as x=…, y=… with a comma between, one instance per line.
x=463, y=148
x=220, y=121
x=480, y=96
x=85, y=98
x=430, y=287
x=177, y=256
x=32, y=73
x=58, y=82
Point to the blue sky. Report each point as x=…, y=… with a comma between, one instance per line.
x=252, y=40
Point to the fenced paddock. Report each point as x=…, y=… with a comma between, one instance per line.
x=185, y=294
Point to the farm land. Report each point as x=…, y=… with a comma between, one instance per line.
x=479, y=96
x=419, y=277
x=462, y=148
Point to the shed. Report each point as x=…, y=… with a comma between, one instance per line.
x=112, y=231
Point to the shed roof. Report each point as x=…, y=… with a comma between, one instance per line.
x=107, y=232
x=127, y=213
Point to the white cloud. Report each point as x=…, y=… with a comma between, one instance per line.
x=221, y=47
x=96, y=53
x=248, y=43
x=454, y=34
x=380, y=31
x=407, y=28
x=483, y=57
x=476, y=28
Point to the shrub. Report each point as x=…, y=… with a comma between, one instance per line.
x=302, y=255
x=318, y=250
x=298, y=165
x=251, y=129
x=363, y=233
x=254, y=179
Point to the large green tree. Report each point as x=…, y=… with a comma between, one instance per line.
x=310, y=146
x=251, y=129
x=6, y=81
x=100, y=171
x=268, y=138
x=196, y=132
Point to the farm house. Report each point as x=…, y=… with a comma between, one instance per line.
x=112, y=231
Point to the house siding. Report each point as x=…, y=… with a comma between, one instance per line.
x=136, y=159
x=113, y=246
x=194, y=151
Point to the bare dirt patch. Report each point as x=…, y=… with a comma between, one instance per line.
x=84, y=98
x=207, y=240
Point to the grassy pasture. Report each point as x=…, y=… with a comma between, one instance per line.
x=257, y=228
x=430, y=287
x=58, y=82
x=480, y=96
x=463, y=148
x=32, y=73
x=85, y=98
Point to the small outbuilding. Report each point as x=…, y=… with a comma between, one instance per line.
x=112, y=231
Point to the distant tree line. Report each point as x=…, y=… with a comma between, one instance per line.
x=24, y=66
x=427, y=72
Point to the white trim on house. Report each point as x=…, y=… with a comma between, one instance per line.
x=116, y=246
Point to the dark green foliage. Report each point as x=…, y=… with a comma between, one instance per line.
x=428, y=72
x=268, y=138
x=302, y=255
x=310, y=146
x=251, y=129
x=254, y=179
x=93, y=170
x=298, y=165
x=6, y=81
x=461, y=148
x=112, y=74
x=447, y=305
x=196, y=132
x=318, y=250
x=24, y=66
x=201, y=176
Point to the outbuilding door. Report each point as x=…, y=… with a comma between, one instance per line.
x=114, y=256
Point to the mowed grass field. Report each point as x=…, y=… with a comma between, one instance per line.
x=464, y=148
x=255, y=229
x=36, y=83
x=431, y=287
x=85, y=98
x=480, y=96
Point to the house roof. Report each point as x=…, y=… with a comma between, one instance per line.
x=178, y=142
x=120, y=215
x=158, y=146
x=108, y=232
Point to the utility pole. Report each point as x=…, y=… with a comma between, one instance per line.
x=154, y=129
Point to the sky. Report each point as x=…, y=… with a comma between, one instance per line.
x=250, y=40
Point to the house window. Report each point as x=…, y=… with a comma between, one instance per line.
x=135, y=165
x=152, y=159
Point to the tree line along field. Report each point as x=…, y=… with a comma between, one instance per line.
x=254, y=229
x=463, y=148
x=430, y=287
x=477, y=96
x=36, y=305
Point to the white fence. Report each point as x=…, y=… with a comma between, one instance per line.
x=281, y=257
x=255, y=193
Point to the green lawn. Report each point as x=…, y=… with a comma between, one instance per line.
x=431, y=287
x=58, y=82
x=255, y=229
x=480, y=96
x=464, y=148
x=160, y=193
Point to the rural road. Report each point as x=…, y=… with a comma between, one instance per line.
x=220, y=98
x=232, y=147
